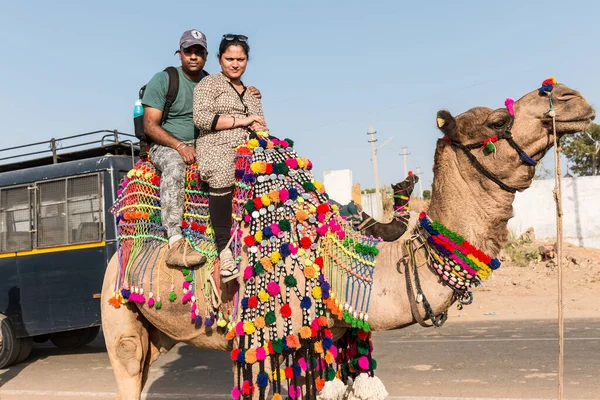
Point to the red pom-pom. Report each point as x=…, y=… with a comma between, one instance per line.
x=184, y=224
x=202, y=228
x=234, y=354
x=323, y=208
x=249, y=241
x=410, y=173
x=305, y=242
x=252, y=302
x=319, y=261
x=257, y=203
x=155, y=180
x=328, y=333
x=289, y=373
x=195, y=226
x=286, y=311
x=269, y=169
x=270, y=346
x=422, y=215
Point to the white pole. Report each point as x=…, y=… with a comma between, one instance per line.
x=420, y=186
x=372, y=140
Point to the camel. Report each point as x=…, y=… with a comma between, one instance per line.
x=464, y=198
x=400, y=223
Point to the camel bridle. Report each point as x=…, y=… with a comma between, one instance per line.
x=504, y=135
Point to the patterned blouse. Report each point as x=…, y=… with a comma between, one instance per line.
x=215, y=96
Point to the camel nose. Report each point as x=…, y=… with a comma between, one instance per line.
x=565, y=93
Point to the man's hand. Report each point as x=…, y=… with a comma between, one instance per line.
x=254, y=92
x=188, y=153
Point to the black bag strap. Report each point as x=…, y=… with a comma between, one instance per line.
x=171, y=92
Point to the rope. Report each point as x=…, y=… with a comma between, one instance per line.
x=559, y=244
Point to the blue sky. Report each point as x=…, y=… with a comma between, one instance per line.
x=327, y=70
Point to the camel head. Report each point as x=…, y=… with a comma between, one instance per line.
x=406, y=186
x=519, y=141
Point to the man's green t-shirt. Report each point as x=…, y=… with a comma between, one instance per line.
x=179, y=122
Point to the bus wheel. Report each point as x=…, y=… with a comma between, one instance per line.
x=26, y=347
x=74, y=339
x=10, y=345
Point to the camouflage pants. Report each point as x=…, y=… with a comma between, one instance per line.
x=172, y=186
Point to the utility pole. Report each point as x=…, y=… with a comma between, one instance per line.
x=405, y=153
x=595, y=153
x=420, y=186
x=372, y=140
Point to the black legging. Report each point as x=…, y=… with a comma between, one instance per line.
x=219, y=206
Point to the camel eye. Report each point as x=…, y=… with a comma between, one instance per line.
x=497, y=124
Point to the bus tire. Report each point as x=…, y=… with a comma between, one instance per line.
x=10, y=345
x=72, y=339
x=93, y=334
x=26, y=347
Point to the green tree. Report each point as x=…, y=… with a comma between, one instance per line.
x=427, y=194
x=583, y=151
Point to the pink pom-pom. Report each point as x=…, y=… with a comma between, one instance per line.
x=125, y=182
x=509, y=103
x=193, y=316
x=273, y=288
x=302, y=363
x=321, y=217
x=334, y=351
x=151, y=302
x=235, y=393
x=284, y=195
x=193, y=307
x=293, y=249
x=294, y=391
x=341, y=234
x=186, y=285
x=363, y=363
x=322, y=230
x=239, y=329
x=275, y=229
x=186, y=297
x=292, y=163
x=248, y=272
x=261, y=354
x=119, y=192
x=247, y=218
x=284, y=144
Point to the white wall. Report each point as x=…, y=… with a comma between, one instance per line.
x=581, y=211
x=338, y=184
x=372, y=205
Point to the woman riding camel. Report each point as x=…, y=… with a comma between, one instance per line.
x=224, y=111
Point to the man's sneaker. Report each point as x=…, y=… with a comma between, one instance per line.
x=229, y=269
x=181, y=254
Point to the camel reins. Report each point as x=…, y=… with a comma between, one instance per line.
x=506, y=135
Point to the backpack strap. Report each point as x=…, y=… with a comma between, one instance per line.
x=171, y=92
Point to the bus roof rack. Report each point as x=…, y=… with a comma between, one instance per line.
x=70, y=148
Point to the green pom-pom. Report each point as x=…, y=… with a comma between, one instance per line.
x=354, y=323
x=363, y=347
x=172, y=296
x=312, y=362
x=185, y=271
x=361, y=324
x=367, y=327
x=373, y=364
x=284, y=225
x=282, y=168
x=258, y=268
x=270, y=318
x=490, y=147
x=347, y=317
x=290, y=281
x=374, y=251
x=249, y=206
x=308, y=186
x=158, y=305
x=189, y=278
x=277, y=345
x=194, y=183
x=290, y=142
x=204, y=186
x=330, y=374
x=358, y=248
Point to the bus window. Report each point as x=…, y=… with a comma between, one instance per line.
x=84, y=209
x=70, y=211
x=15, y=219
x=52, y=214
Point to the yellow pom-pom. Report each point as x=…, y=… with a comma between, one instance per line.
x=255, y=167
x=301, y=162
x=281, y=375
x=249, y=328
x=131, y=173
x=319, y=186
x=263, y=296
x=148, y=175
x=265, y=200
x=275, y=257
x=258, y=236
x=317, y=293
x=334, y=207
x=301, y=252
x=252, y=143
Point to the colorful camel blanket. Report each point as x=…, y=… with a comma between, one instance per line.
x=302, y=258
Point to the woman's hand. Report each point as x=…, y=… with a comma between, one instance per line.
x=258, y=127
x=252, y=119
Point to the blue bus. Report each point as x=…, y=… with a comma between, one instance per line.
x=56, y=238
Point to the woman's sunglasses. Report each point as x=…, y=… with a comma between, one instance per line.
x=231, y=36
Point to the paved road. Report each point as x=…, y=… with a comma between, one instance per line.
x=491, y=360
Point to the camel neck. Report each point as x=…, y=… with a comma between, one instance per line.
x=468, y=203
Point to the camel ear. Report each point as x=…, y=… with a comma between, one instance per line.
x=446, y=123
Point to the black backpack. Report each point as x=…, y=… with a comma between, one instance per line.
x=172, y=91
